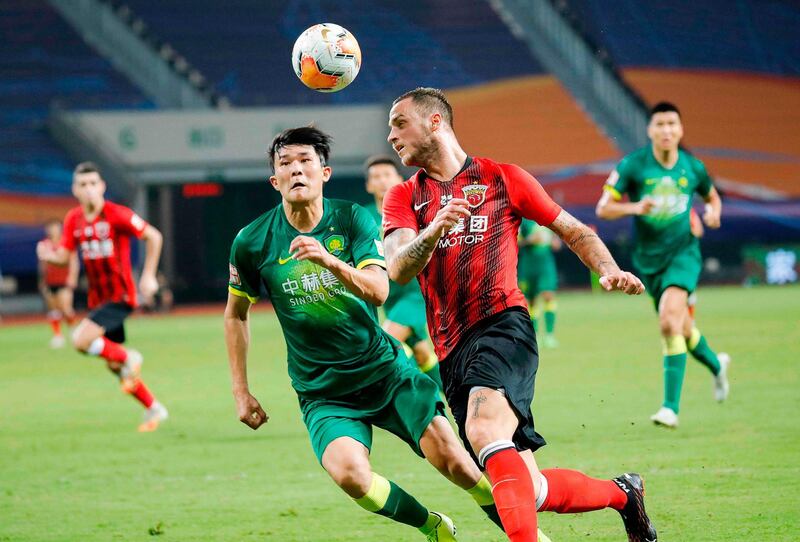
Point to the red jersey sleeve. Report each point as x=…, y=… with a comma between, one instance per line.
x=528, y=198
x=125, y=220
x=68, y=231
x=397, y=209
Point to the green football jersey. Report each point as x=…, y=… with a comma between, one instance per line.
x=333, y=340
x=543, y=247
x=665, y=230
x=396, y=291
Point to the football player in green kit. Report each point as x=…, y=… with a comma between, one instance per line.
x=660, y=181
x=321, y=263
x=405, y=307
x=537, y=275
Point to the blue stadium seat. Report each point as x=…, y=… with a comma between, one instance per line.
x=748, y=35
x=45, y=62
x=244, y=47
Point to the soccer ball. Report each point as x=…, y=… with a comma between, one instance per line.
x=326, y=57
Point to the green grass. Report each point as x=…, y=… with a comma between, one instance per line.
x=72, y=466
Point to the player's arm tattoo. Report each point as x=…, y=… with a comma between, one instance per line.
x=584, y=243
x=407, y=253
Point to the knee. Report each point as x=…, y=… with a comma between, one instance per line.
x=80, y=341
x=354, y=477
x=480, y=433
x=457, y=466
x=670, y=324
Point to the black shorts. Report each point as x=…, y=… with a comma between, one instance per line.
x=498, y=352
x=111, y=317
x=54, y=288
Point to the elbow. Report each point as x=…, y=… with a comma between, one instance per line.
x=381, y=292
x=378, y=299
x=601, y=212
x=396, y=276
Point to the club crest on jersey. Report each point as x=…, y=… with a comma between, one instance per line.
x=475, y=194
x=334, y=244
x=102, y=229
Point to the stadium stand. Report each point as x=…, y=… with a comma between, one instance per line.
x=243, y=47
x=44, y=64
x=733, y=70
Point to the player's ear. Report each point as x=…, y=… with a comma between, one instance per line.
x=436, y=121
x=326, y=174
x=274, y=182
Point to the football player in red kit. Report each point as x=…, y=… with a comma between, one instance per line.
x=101, y=231
x=57, y=284
x=454, y=226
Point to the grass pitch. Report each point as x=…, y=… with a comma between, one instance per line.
x=73, y=468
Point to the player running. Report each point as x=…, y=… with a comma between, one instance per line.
x=57, y=284
x=404, y=308
x=321, y=262
x=660, y=180
x=537, y=275
x=102, y=231
x=454, y=224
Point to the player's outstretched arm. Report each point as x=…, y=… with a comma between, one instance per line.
x=594, y=254
x=407, y=253
x=713, y=211
x=153, y=240
x=74, y=271
x=237, y=341
x=57, y=256
x=610, y=209
x=369, y=283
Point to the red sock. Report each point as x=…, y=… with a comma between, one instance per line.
x=55, y=323
x=571, y=492
x=142, y=394
x=113, y=352
x=514, y=495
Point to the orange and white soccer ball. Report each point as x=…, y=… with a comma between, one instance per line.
x=326, y=57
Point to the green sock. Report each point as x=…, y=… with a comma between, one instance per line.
x=700, y=350
x=388, y=499
x=550, y=317
x=482, y=494
x=674, y=369
x=431, y=368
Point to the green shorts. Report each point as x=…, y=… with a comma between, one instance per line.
x=682, y=271
x=536, y=274
x=409, y=311
x=404, y=403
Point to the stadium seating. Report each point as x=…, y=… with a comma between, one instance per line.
x=733, y=69
x=748, y=35
x=244, y=47
x=45, y=63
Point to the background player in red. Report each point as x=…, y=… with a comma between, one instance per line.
x=102, y=231
x=57, y=284
x=454, y=224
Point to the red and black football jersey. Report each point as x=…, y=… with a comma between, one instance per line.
x=472, y=273
x=105, y=249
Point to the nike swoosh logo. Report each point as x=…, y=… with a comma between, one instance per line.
x=421, y=205
x=282, y=261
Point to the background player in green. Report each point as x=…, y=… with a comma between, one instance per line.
x=660, y=180
x=405, y=307
x=537, y=275
x=321, y=262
